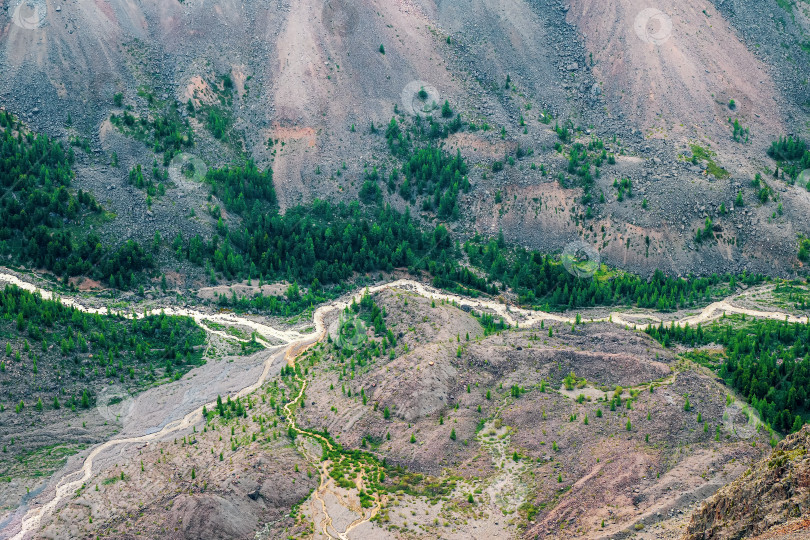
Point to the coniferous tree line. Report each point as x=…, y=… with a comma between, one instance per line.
x=39, y=214
x=153, y=184
x=289, y=304
x=218, y=123
x=218, y=118
x=164, y=131
x=789, y=149
x=792, y=155
x=427, y=170
x=326, y=244
x=319, y=244
x=541, y=280
x=373, y=315
x=91, y=348
x=767, y=361
x=243, y=188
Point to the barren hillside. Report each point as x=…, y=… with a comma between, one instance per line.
x=769, y=501
x=310, y=80
x=362, y=269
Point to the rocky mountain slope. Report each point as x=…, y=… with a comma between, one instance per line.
x=309, y=79
x=641, y=131
x=770, y=500
x=584, y=433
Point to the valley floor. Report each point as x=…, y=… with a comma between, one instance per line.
x=499, y=477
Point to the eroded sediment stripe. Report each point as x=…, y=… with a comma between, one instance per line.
x=298, y=342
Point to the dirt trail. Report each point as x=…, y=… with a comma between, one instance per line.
x=298, y=343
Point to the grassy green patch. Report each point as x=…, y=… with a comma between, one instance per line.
x=703, y=154
x=40, y=462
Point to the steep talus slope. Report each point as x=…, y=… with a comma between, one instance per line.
x=529, y=41
x=772, y=30
x=771, y=500
x=314, y=83
x=310, y=81
x=328, y=75
x=673, y=72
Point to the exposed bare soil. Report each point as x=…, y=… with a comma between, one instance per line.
x=305, y=72
x=532, y=464
x=310, y=75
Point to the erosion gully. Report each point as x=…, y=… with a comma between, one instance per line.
x=297, y=343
